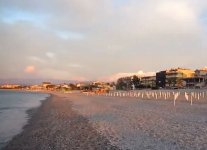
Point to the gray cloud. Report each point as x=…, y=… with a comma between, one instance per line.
x=92, y=39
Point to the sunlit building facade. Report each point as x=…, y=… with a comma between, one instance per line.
x=175, y=77
x=148, y=81
x=199, y=80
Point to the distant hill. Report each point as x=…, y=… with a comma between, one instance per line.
x=34, y=81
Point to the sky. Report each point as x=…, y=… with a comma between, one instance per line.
x=100, y=40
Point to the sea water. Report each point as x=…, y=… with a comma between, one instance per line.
x=13, y=116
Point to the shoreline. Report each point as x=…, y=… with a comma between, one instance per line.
x=76, y=121
x=15, y=112
x=30, y=114
x=55, y=125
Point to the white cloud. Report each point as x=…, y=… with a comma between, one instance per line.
x=50, y=54
x=177, y=10
x=36, y=59
x=119, y=75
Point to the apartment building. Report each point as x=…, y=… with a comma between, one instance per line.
x=175, y=77
x=199, y=80
x=148, y=81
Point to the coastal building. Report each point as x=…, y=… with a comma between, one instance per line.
x=11, y=86
x=175, y=77
x=199, y=80
x=45, y=84
x=103, y=85
x=201, y=72
x=148, y=81
x=36, y=87
x=83, y=86
x=65, y=87
x=161, y=79
x=170, y=78
x=49, y=86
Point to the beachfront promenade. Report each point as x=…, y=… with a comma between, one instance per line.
x=118, y=120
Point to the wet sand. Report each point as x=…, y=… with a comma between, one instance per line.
x=56, y=126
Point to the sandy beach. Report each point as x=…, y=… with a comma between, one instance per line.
x=77, y=121
x=131, y=123
x=56, y=126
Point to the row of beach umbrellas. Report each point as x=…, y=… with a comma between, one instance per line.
x=158, y=95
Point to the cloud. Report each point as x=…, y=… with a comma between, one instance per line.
x=119, y=75
x=73, y=65
x=36, y=59
x=69, y=35
x=176, y=10
x=106, y=36
x=30, y=69
x=50, y=55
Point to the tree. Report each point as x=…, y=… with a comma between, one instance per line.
x=73, y=86
x=127, y=83
x=120, y=85
x=135, y=81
